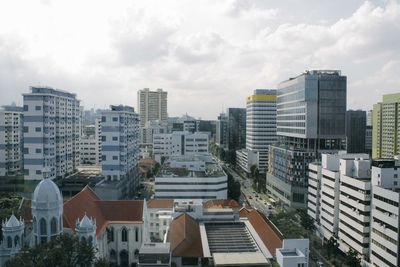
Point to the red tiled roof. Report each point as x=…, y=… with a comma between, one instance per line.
x=222, y=203
x=160, y=203
x=147, y=161
x=86, y=201
x=184, y=236
x=267, y=231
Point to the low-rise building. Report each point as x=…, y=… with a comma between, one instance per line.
x=191, y=177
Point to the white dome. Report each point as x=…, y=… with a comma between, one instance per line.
x=13, y=222
x=47, y=192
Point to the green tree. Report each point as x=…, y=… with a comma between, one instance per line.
x=331, y=246
x=306, y=221
x=62, y=251
x=233, y=188
x=353, y=258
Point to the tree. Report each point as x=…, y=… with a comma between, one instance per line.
x=233, y=188
x=332, y=246
x=306, y=221
x=63, y=251
x=253, y=170
x=352, y=258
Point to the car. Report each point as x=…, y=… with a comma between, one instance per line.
x=250, y=197
x=320, y=264
x=256, y=195
x=269, y=206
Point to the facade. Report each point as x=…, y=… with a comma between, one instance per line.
x=236, y=128
x=89, y=150
x=152, y=105
x=222, y=131
x=159, y=215
x=260, y=126
x=179, y=143
x=385, y=214
x=386, y=121
x=311, y=113
x=11, y=140
x=357, y=203
x=191, y=177
x=120, y=146
x=51, y=133
x=356, y=131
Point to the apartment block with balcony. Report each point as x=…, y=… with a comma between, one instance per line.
x=11, y=140
x=52, y=122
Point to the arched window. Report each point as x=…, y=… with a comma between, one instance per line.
x=90, y=239
x=136, y=234
x=110, y=234
x=83, y=239
x=113, y=255
x=34, y=225
x=43, y=227
x=53, y=226
x=16, y=240
x=124, y=235
x=136, y=253
x=9, y=242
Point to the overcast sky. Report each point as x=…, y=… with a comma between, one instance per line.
x=208, y=55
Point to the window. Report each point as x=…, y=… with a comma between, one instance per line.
x=115, y=138
x=38, y=172
x=26, y=150
x=103, y=119
x=38, y=150
x=38, y=129
x=38, y=108
x=115, y=157
x=124, y=235
x=115, y=118
x=103, y=138
x=53, y=226
x=110, y=234
x=395, y=175
x=43, y=227
x=16, y=240
x=9, y=242
x=25, y=107
x=103, y=157
x=26, y=129
x=136, y=234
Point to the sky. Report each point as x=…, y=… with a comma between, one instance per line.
x=209, y=55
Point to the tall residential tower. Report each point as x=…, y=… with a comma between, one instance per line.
x=51, y=133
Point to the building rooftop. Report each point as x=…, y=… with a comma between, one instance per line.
x=160, y=203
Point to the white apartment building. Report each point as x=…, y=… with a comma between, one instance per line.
x=151, y=128
x=191, y=177
x=260, y=126
x=51, y=133
x=159, y=217
x=152, y=105
x=354, y=208
x=326, y=192
x=120, y=148
x=385, y=220
x=97, y=134
x=179, y=143
x=89, y=150
x=11, y=140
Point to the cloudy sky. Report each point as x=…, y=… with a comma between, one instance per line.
x=208, y=55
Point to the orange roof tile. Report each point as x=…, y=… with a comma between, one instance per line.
x=160, y=203
x=222, y=203
x=184, y=236
x=267, y=231
x=104, y=212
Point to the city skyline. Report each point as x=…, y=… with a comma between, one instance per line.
x=204, y=54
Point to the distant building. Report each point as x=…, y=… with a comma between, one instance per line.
x=222, y=131
x=260, y=129
x=179, y=143
x=311, y=117
x=152, y=105
x=386, y=121
x=120, y=147
x=355, y=131
x=11, y=140
x=191, y=177
x=293, y=253
x=89, y=150
x=51, y=133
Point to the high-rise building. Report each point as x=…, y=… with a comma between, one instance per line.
x=120, y=147
x=52, y=121
x=311, y=115
x=368, y=133
x=386, y=121
x=355, y=131
x=11, y=140
x=152, y=105
x=260, y=129
x=236, y=131
x=356, y=202
x=222, y=131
